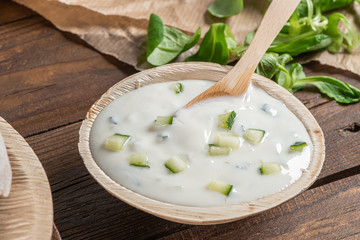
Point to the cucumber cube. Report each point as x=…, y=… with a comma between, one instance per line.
x=254, y=136
x=116, y=142
x=219, y=186
x=228, y=140
x=177, y=87
x=163, y=121
x=270, y=168
x=139, y=160
x=226, y=120
x=175, y=164
x=218, y=151
x=298, y=146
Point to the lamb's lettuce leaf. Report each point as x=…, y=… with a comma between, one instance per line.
x=166, y=43
x=225, y=8
x=216, y=45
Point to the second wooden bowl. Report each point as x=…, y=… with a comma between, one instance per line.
x=201, y=215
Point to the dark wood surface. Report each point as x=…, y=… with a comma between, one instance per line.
x=49, y=79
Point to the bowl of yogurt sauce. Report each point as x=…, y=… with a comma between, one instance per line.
x=218, y=161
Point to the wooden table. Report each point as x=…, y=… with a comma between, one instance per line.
x=49, y=79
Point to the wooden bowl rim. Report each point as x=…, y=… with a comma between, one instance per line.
x=29, y=205
x=201, y=215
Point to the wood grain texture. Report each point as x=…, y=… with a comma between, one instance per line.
x=39, y=64
x=27, y=213
x=327, y=212
x=10, y=12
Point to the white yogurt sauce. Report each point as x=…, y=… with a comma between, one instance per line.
x=192, y=130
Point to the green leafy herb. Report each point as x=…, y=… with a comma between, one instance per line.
x=268, y=65
x=307, y=44
x=216, y=45
x=327, y=5
x=349, y=40
x=333, y=88
x=225, y=8
x=166, y=43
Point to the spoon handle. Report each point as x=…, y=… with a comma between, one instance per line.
x=279, y=11
x=238, y=79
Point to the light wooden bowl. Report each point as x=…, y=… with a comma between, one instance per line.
x=27, y=213
x=201, y=215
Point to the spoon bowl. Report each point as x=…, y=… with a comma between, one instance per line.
x=201, y=215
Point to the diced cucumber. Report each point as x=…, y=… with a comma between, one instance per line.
x=175, y=164
x=228, y=140
x=139, y=160
x=163, y=121
x=177, y=87
x=116, y=142
x=270, y=168
x=220, y=186
x=218, y=151
x=226, y=120
x=254, y=136
x=298, y=146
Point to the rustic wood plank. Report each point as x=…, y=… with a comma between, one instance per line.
x=10, y=11
x=48, y=80
x=328, y=212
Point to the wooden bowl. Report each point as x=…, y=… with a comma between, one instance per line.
x=201, y=215
x=27, y=213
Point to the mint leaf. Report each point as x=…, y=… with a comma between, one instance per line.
x=166, y=43
x=333, y=88
x=225, y=8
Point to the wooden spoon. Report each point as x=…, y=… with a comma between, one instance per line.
x=236, y=82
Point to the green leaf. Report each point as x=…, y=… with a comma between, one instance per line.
x=327, y=5
x=307, y=44
x=155, y=34
x=282, y=76
x=349, y=40
x=296, y=71
x=268, y=65
x=333, y=88
x=225, y=8
x=166, y=43
x=216, y=45
x=249, y=37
